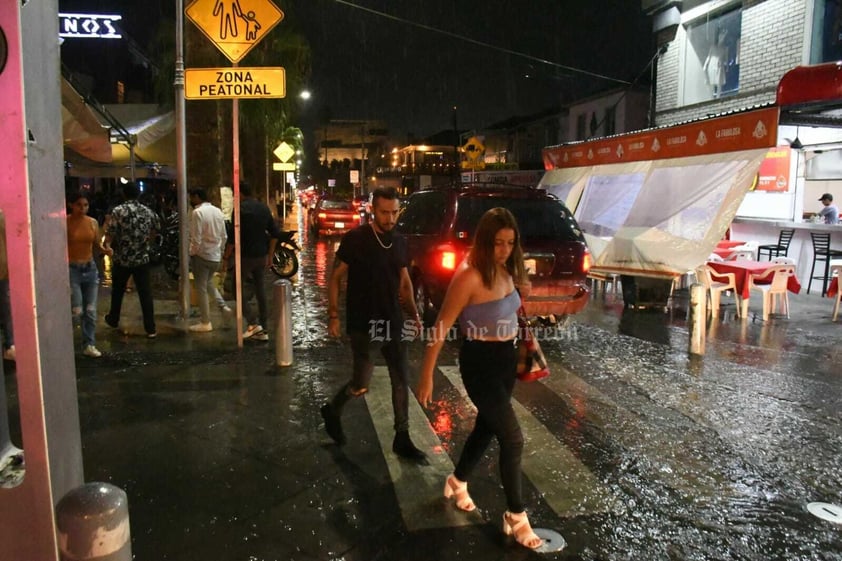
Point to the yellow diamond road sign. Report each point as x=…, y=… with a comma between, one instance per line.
x=234, y=26
x=284, y=152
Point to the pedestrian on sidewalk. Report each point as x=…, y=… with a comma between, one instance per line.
x=131, y=228
x=258, y=237
x=483, y=296
x=83, y=235
x=207, y=243
x=7, y=332
x=374, y=258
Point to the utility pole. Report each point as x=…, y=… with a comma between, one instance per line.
x=181, y=163
x=362, y=159
x=456, y=140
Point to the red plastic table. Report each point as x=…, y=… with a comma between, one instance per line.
x=724, y=248
x=743, y=269
x=728, y=244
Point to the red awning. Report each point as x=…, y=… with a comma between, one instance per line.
x=730, y=133
x=819, y=84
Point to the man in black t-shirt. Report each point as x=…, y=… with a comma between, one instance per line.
x=258, y=238
x=375, y=261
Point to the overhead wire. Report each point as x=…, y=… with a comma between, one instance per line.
x=658, y=53
x=482, y=43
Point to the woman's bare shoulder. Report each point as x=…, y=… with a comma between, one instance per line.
x=467, y=275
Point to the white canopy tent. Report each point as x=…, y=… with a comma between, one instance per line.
x=89, y=152
x=644, y=213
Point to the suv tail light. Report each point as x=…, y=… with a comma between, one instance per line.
x=587, y=261
x=446, y=257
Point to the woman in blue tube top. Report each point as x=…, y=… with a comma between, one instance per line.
x=483, y=297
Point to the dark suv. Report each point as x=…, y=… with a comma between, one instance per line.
x=439, y=225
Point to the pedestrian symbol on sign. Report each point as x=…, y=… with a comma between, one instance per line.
x=234, y=26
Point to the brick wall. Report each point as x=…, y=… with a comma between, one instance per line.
x=772, y=42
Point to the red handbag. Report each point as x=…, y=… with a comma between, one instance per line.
x=531, y=364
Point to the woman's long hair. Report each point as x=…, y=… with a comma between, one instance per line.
x=481, y=256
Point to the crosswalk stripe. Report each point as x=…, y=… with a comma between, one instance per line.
x=565, y=483
x=418, y=488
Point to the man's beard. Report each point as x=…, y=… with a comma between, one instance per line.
x=386, y=235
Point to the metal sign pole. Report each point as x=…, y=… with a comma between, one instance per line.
x=181, y=163
x=238, y=269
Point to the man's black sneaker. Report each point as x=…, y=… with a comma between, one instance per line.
x=333, y=424
x=111, y=323
x=403, y=447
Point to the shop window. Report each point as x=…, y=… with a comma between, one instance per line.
x=580, y=126
x=711, y=66
x=610, y=120
x=826, y=40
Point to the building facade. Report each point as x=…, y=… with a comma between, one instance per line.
x=725, y=55
x=518, y=142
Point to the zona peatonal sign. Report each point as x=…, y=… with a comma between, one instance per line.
x=237, y=82
x=235, y=27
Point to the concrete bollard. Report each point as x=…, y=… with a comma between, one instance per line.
x=698, y=318
x=93, y=523
x=283, y=322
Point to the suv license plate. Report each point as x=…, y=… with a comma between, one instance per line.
x=531, y=266
x=338, y=224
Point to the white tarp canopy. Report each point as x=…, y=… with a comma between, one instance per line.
x=90, y=152
x=656, y=218
x=83, y=133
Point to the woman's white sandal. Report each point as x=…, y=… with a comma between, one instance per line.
x=459, y=490
x=517, y=525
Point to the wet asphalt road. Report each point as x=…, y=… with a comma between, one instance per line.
x=633, y=451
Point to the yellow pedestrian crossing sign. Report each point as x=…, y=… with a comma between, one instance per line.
x=474, y=151
x=234, y=26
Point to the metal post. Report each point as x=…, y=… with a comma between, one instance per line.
x=93, y=523
x=698, y=317
x=362, y=159
x=238, y=266
x=181, y=163
x=283, y=322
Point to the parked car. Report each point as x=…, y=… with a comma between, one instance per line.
x=439, y=225
x=331, y=216
x=362, y=205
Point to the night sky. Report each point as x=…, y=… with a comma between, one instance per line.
x=368, y=66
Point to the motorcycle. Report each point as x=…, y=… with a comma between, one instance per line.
x=285, y=259
x=164, y=248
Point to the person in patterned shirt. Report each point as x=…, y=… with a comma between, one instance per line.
x=132, y=227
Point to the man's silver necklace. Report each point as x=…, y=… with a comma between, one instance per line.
x=373, y=229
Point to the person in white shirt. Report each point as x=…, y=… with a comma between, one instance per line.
x=830, y=212
x=207, y=242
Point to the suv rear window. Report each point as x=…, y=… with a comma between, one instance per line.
x=537, y=219
x=425, y=214
x=337, y=205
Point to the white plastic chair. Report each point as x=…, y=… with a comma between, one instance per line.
x=745, y=254
x=748, y=246
x=714, y=288
x=715, y=257
x=836, y=271
x=779, y=276
x=784, y=261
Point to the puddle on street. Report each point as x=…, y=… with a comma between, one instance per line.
x=735, y=444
